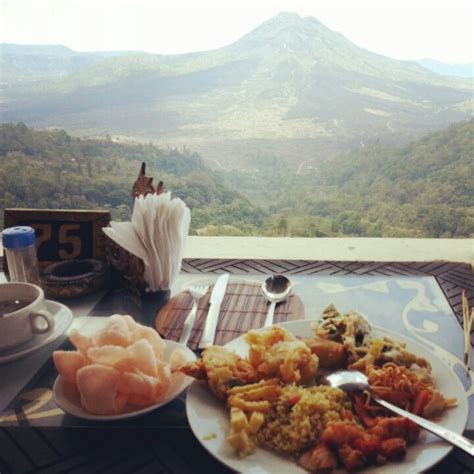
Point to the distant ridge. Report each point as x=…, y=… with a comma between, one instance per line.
x=39, y=50
x=51, y=50
x=290, y=87
x=26, y=63
x=459, y=70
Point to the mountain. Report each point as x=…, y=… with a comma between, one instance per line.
x=291, y=88
x=459, y=70
x=30, y=63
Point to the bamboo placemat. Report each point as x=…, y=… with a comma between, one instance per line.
x=243, y=308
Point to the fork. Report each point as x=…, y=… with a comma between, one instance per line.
x=197, y=292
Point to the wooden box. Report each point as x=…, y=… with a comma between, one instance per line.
x=63, y=234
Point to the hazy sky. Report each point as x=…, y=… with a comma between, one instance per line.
x=404, y=29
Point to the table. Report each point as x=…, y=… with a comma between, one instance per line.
x=35, y=436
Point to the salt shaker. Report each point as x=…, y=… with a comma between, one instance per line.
x=20, y=251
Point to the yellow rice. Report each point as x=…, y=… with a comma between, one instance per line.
x=291, y=428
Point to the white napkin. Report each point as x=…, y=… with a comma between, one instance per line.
x=157, y=234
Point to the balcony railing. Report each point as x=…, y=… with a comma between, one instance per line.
x=334, y=249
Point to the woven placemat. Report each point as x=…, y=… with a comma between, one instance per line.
x=243, y=308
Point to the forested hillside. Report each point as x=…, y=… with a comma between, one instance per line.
x=51, y=169
x=425, y=189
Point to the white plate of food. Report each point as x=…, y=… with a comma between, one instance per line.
x=209, y=417
x=122, y=370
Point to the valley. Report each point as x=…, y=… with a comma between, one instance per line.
x=292, y=130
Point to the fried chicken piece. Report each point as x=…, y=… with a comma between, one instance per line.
x=357, y=446
x=350, y=457
x=222, y=369
x=331, y=354
x=396, y=427
x=341, y=432
x=269, y=337
x=194, y=369
x=319, y=459
x=368, y=444
x=393, y=448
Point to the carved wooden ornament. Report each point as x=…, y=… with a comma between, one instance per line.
x=144, y=184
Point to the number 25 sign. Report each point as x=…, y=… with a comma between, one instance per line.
x=63, y=234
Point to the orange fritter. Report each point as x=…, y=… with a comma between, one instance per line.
x=222, y=369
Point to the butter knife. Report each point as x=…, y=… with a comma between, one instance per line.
x=212, y=318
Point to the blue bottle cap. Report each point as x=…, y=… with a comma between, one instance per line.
x=18, y=237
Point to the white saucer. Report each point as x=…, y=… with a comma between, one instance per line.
x=62, y=320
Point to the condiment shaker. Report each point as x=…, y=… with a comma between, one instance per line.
x=20, y=252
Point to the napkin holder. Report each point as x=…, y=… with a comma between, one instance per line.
x=128, y=270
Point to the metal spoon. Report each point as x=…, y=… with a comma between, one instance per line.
x=276, y=288
x=350, y=380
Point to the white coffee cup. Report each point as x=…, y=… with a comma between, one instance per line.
x=23, y=324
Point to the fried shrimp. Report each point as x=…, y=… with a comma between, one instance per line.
x=222, y=369
x=276, y=352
